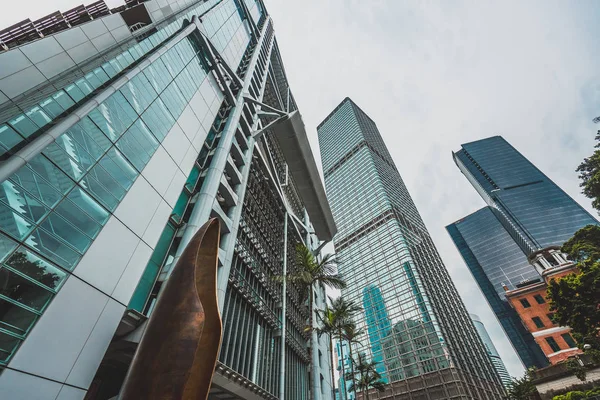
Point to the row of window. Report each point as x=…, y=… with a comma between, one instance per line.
x=538, y=298
x=566, y=337
x=539, y=323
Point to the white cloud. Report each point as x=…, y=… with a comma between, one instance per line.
x=434, y=75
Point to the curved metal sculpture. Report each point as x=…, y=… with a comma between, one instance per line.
x=178, y=352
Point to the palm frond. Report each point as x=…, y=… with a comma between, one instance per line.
x=334, y=281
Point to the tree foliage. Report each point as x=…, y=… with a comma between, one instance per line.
x=522, y=388
x=589, y=173
x=366, y=376
x=575, y=298
x=311, y=271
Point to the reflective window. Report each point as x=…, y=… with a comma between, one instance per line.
x=158, y=119
x=23, y=290
x=138, y=144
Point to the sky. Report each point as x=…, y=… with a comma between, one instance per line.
x=434, y=75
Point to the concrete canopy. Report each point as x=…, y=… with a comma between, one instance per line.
x=290, y=134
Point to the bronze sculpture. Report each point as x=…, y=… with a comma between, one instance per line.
x=178, y=352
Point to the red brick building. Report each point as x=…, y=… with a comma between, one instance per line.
x=529, y=301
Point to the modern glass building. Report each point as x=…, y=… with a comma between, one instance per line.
x=121, y=133
x=491, y=350
x=526, y=212
x=414, y=320
x=495, y=260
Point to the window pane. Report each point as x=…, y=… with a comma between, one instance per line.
x=38, y=116
x=539, y=299
x=76, y=217
x=51, y=173
x=173, y=61
x=51, y=107
x=158, y=75
x=23, y=290
x=76, y=94
x=53, y=248
x=8, y=344
x=23, y=125
x=75, y=151
x=139, y=93
x=28, y=263
x=91, y=137
x=8, y=137
x=68, y=165
x=569, y=340
x=37, y=186
x=87, y=204
x=13, y=223
x=553, y=345
x=113, y=116
x=158, y=119
x=174, y=100
x=14, y=318
x=63, y=100
x=85, y=87
x=7, y=245
x=62, y=229
x=21, y=202
x=138, y=144
x=99, y=191
x=119, y=168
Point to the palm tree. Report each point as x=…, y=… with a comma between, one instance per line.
x=351, y=334
x=327, y=326
x=368, y=377
x=311, y=272
x=336, y=320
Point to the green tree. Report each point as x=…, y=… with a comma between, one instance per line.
x=575, y=298
x=522, y=388
x=589, y=173
x=367, y=377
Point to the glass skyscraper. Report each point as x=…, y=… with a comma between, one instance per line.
x=121, y=133
x=526, y=212
x=491, y=349
x=415, y=323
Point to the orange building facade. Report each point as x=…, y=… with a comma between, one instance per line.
x=529, y=301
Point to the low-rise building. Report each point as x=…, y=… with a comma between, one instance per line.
x=530, y=303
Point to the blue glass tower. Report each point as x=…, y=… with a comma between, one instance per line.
x=526, y=212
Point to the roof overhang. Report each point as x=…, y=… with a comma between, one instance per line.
x=290, y=134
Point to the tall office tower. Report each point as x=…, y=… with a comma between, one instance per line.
x=526, y=212
x=491, y=350
x=121, y=133
x=414, y=320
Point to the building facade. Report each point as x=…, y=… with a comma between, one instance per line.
x=492, y=352
x=413, y=317
x=526, y=212
x=529, y=301
x=121, y=133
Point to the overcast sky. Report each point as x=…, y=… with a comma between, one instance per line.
x=434, y=75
